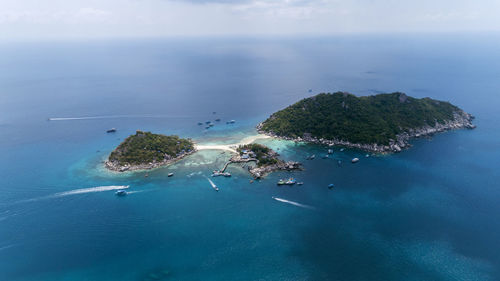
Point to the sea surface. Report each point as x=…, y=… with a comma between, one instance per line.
x=429, y=213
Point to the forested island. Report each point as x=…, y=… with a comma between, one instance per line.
x=146, y=150
x=378, y=123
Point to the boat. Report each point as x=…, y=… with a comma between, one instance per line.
x=300, y=183
x=199, y=123
x=311, y=157
x=330, y=151
x=208, y=122
x=339, y=162
x=112, y=130
x=290, y=181
x=231, y=122
x=211, y=125
x=213, y=185
x=355, y=160
x=330, y=186
x=342, y=149
x=324, y=156
x=216, y=173
x=367, y=155
x=214, y=112
x=207, y=127
x=170, y=174
x=218, y=119
x=310, y=90
x=120, y=192
x=226, y=174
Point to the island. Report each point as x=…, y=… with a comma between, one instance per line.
x=146, y=150
x=266, y=159
x=378, y=123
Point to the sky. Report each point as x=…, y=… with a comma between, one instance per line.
x=36, y=19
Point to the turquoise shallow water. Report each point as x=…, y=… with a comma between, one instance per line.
x=429, y=213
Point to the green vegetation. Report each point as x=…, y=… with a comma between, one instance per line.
x=146, y=147
x=365, y=120
x=263, y=154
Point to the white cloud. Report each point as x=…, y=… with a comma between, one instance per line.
x=103, y=18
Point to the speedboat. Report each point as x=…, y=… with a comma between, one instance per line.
x=112, y=130
x=120, y=192
x=330, y=186
x=170, y=174
x=355, y=160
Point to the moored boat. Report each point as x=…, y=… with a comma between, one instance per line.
x=355, y=160
x=170, y=174
x=330, y=186
x=290, y=181
x=112, y=130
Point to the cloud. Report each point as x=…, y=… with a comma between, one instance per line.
x=130, y=18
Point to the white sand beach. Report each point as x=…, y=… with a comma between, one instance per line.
x=231, y=147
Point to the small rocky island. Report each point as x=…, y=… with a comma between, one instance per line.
x=379, y=123
x=266, y=159
x=146, y=150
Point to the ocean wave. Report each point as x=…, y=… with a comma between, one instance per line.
x=293, y=203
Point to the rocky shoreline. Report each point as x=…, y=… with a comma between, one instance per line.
x=461, y=120
x=114, y=166
x=260, y=172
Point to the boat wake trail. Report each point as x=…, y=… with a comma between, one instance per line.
x=293, y=203
x=90, y=190
x=112, y=117
x=212, y=184
x=76, y=191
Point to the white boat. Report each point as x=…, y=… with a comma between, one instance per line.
x=121, y=192
x=355, y=160
x=170, y=174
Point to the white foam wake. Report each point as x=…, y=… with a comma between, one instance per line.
x=90, y=190
x=112, y=116
x=293, y=203
x=75, y=191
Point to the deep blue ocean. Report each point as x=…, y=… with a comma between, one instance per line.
x=429, y=213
